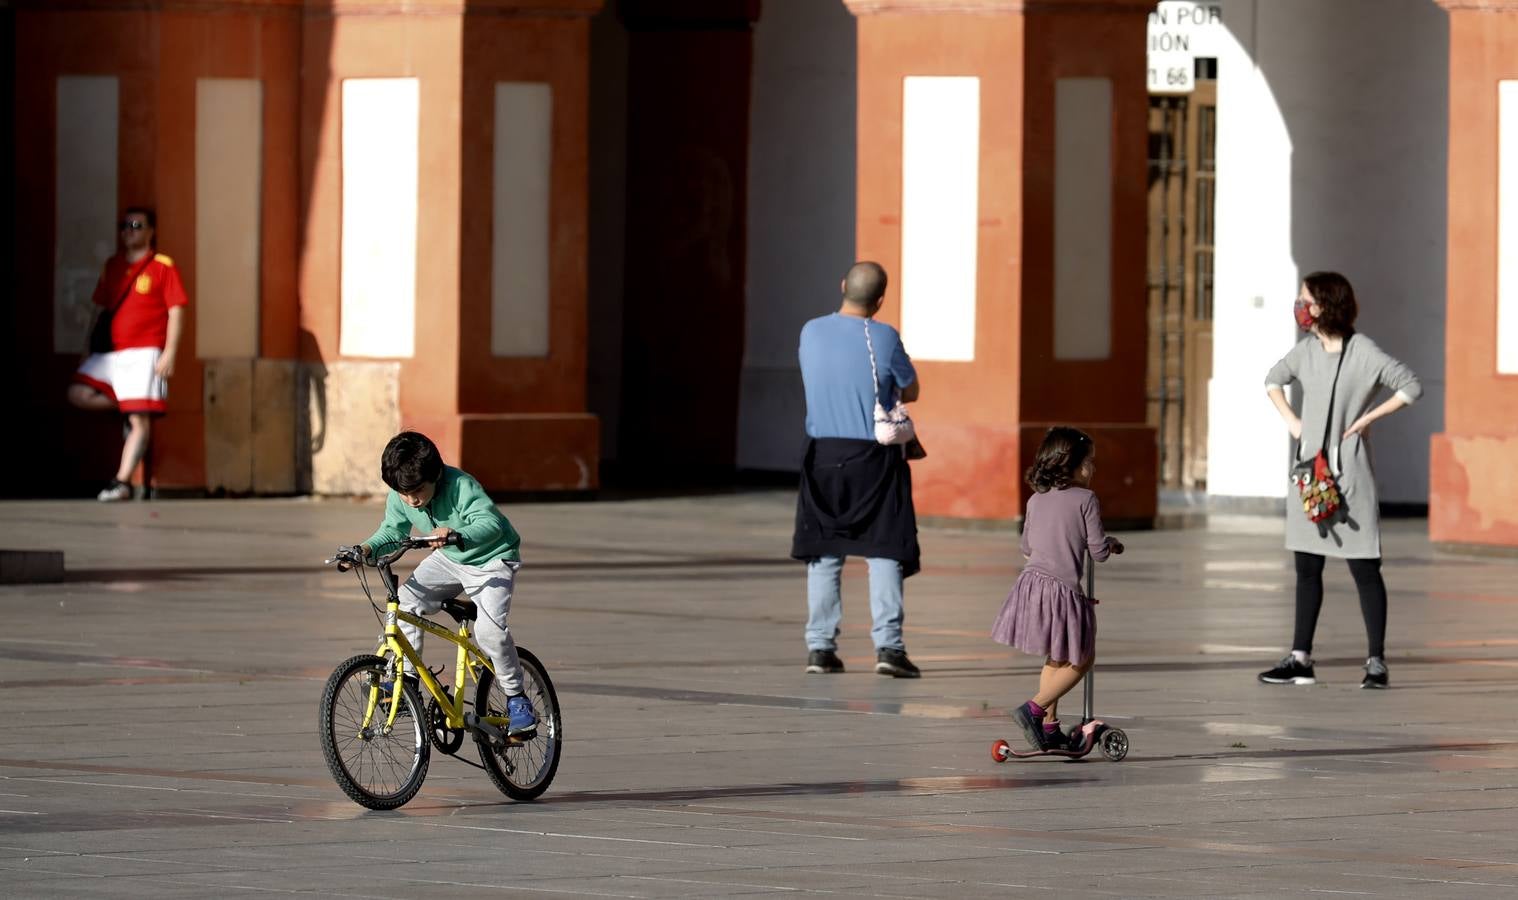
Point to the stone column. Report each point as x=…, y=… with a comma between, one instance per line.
x=1001, y=173
x=1473, y=493
x=489, y=358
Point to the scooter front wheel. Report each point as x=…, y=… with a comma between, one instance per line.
x=1113, y=743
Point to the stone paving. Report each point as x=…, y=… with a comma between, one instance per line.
x=160, y=709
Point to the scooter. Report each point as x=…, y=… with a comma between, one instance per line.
x=1094, y=733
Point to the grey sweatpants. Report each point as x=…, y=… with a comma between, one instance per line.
x=439, y=578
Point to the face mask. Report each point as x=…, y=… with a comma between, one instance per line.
x=1302, y=310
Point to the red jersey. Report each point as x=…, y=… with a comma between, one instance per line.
x=143, y=317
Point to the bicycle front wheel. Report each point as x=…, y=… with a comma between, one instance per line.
x=522, y=769
x=378, y=766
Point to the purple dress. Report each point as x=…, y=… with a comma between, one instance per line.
x=1047, y=614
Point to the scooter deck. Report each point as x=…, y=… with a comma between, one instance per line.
x=1029, y=754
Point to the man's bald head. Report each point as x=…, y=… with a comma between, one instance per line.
x=864, y=285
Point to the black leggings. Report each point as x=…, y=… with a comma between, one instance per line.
x=1367, y=575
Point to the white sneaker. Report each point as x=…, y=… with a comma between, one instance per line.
x=115, y=492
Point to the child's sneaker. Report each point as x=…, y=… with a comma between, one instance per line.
x=523, y=722
x=1032, y=726
x=1290, y=671
x=1054, y=739
x=1375, y=674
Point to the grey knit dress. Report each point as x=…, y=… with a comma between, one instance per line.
x=1367, y=370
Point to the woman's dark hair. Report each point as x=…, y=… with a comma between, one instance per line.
x=1063, y=451
x=1336, y=303
x=410, y=460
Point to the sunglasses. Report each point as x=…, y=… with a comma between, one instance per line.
x=133, y=225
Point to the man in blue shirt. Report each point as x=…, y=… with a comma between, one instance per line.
x=856, y=494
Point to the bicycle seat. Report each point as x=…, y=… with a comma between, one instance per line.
x=461, y=610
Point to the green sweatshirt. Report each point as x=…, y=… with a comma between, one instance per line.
x=459, y=504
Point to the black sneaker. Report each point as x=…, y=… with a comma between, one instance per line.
x=893, y=662
x=1289, y=671
x=1032, y=726
x=1056, y=739
x=1375, y=674
x=823, y=662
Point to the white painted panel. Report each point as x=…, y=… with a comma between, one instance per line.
x=380, y=147
x=519, y=254
x=84, y=236
x=1507, y=228
x=228, y=186
x=940, y=173
x=1082, y=218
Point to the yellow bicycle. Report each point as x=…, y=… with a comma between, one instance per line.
x=378, y=740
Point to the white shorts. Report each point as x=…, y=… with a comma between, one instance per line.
x=127, y=377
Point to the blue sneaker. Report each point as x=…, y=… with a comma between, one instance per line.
x=523, y=722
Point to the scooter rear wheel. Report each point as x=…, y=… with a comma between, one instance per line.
x=1000, y=751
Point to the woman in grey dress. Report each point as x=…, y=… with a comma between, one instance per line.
x=1326, y=309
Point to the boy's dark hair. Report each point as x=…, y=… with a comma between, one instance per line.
x=1059, y=456
x=410, y=460
x=1336, y=303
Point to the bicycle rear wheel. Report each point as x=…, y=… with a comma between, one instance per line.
x=521, y=769
x=377, y=767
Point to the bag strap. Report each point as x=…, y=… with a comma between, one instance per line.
x=126, y=292
x=874, y=375
x=1328, y=417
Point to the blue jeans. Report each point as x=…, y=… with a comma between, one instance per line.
x=824, y=602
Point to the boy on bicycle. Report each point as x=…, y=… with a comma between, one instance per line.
x=438, y=500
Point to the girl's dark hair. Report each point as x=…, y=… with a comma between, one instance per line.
x=1059, y=456
x=1336, y=303
x=410, y=460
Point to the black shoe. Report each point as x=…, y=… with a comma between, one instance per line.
x=893, y=662
x=1056, y=739
x=1075, y=739
x=823, y=662
x=1032, y=726
x=1375, y=674
x=1289, y=671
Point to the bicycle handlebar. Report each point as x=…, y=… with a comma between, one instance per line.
x=347, y=557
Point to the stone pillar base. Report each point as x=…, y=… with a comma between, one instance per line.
x=993, y=458
x=531, y=451
x=1473, y=494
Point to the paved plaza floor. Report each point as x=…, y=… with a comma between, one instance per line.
x=160, y=707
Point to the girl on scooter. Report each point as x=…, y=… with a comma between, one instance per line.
x=1047, y=614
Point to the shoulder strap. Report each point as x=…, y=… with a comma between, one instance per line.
x=1328, y=417
x=874, y=375
x=126, y=291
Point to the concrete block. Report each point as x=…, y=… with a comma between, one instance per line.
x=31, y=566
x=275, y=388
x=349, y=411
x=229, y=425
